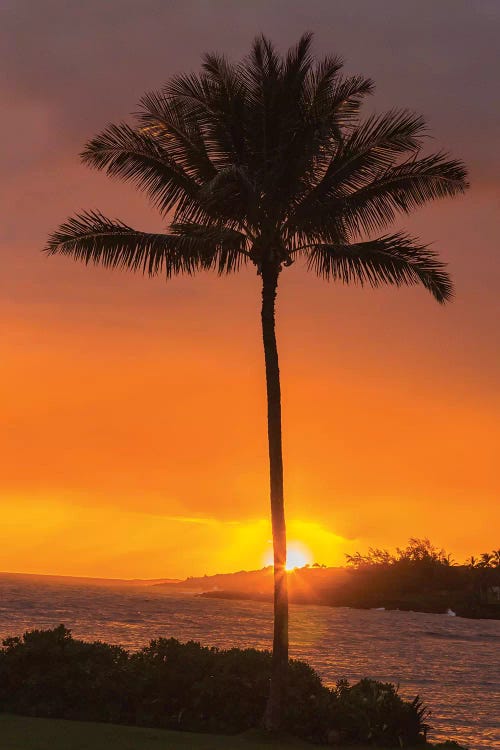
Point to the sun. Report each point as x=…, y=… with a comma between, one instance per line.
x=297, y=556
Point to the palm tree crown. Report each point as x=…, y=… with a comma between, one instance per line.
x=266, y=161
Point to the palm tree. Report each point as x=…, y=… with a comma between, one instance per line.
x=265, y=162
x=486, y=559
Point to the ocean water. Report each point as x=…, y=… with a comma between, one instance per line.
x=452, y=663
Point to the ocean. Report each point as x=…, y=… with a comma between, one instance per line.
x=452, y=663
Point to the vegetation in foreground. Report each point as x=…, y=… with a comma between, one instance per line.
x=170, y=685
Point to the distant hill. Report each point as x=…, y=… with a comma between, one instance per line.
x=308, y=584
x=87, y=579
x=421, y=585
x=243, y=580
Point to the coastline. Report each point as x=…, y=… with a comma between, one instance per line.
x=473, y=612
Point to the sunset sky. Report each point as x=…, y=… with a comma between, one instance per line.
x=133, y=435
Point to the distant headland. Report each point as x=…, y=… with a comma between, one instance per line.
x=419, y=577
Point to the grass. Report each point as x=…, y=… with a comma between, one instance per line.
x=27, y=733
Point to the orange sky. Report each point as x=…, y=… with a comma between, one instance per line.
x=133, y=413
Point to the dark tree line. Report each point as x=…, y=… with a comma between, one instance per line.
x=425, y=575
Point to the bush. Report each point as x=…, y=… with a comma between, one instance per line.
x=372, y=711
x=49, y=673
x=194, y=688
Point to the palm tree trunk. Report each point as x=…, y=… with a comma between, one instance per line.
x=274, y=709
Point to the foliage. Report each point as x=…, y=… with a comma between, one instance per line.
x=417, y=551
x=193, y=688
x=419, y=568
x=424, y=578
x=374, y=712
x=263, y=162
x=486, y=560
x=49, y=673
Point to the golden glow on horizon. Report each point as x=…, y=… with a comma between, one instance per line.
x=107, y=479
x=66, y=536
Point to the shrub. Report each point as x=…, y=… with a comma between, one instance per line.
x=189, y=686
x=194, y=688
x=49, y=673
x=374, y=712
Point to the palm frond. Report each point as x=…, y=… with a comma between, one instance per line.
x=219, y=247
x=365, y=153
x=371, y=207
x=393, y=259
x=231, y=194
x=263, y=63
x=371, y=148
x=226, y=126
x=298, y=62
x=402, y=188
x=213, y=102
x=140, y=158
x=92, y=238
x=328, y=106
x=346, y=98
x=180, y=135
x=261, y=76
x=196, y=92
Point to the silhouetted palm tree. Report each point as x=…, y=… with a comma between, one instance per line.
x=486, y=559
x=265, y=162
